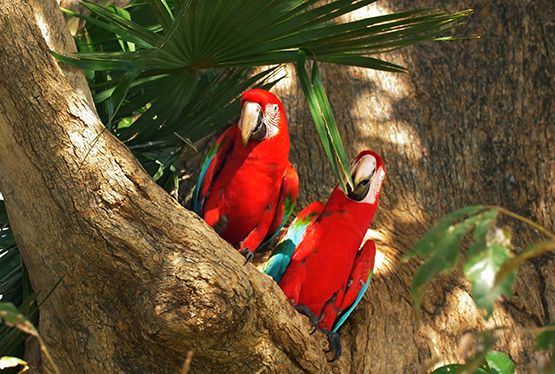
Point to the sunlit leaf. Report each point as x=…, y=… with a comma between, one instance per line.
x=453, y=369
x=482, y=266
x=441, y=246
x=545, y=340
x=500, y=363
x=433, y=238
x=10, y=362
x=317, y=106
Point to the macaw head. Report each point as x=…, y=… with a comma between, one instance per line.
x=368, y=172
x=262, y=116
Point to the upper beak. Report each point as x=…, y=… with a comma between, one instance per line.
x=249, y=120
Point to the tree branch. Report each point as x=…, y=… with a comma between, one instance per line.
x=145, y=280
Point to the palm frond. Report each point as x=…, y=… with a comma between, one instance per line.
x=324, y=121
x=14, y=287
x=182, y=65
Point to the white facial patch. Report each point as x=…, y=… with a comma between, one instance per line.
x=271, y=119
x=375, y=186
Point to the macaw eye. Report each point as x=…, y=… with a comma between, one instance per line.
x=259, y=132
x=361, y=189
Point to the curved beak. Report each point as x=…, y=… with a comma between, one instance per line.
x=365, y=167
x=248, y=120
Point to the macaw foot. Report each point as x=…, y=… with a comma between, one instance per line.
x=303, y=309
x=247, y=254
x=334, y=344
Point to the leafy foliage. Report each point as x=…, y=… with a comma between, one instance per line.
x=484, y=360
x=441, y=245
x=13, y=318
x=545, y=340
x=500, y=363
x=180, y=66
x=15, y=287
x=324, y=121
x=494, y=363
x=490, y=266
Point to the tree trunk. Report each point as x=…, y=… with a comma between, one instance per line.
x=145, y=281
x=472, y=122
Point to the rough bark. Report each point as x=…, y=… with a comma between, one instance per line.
x=145, y=280
x=472, y=122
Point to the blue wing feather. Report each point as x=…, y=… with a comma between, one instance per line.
x=207, y=161
x=343, y=316
x=281, y=255
x=211, y=165
x=287, y=199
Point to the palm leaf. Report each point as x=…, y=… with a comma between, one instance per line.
x=190, y=59
x=324, y=121
x=14, y=288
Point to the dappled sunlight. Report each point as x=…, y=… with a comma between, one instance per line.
x=458, y=319
x=382, y=264
x=44, y=28
x=282, y=74
x=376, y=110
x=372, y=10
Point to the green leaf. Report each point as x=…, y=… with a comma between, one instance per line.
x=331, y=126
x=120, y=92
x=500, y=363
x=441, y=247
x=482, y=266
x=101, y=61
x=129, y=46
x=545, y=340
x=453, y=369
x=145, y=41
x=534, y=250
x=434, y=237
x=124, y=27
x=163, y=13
x=12, y=317
x=365, y=62
x=10, y=362
x=324, y=121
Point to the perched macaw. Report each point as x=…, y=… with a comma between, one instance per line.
x=318, y=263
x=247, y=187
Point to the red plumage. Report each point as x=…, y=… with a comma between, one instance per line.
x=250, y=187
x=324, y=261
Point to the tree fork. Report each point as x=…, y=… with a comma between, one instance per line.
x=144, y=280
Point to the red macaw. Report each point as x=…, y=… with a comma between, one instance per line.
x=247, y=187
x=318, y=263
